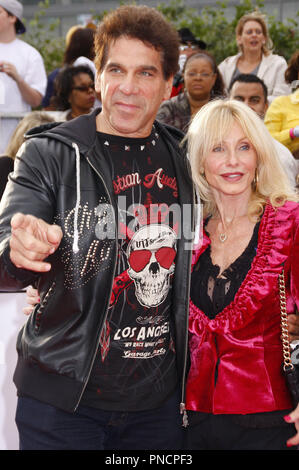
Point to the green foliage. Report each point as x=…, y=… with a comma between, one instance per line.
x=212, y=25
x=177, y=13
x=285, y=36
x=42, y=35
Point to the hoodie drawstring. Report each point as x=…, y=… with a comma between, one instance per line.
x=76, y=232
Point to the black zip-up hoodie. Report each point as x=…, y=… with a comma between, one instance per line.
x=61, y=176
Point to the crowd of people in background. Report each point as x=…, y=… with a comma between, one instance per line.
x=265, y=223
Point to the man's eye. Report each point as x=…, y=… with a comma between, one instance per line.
x=115, y=70
x=146, y=73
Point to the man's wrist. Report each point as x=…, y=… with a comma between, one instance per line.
x=18, y=79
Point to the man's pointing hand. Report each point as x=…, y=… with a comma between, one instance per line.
x=32, y=241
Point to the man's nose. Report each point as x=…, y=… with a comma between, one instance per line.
x=128, y=85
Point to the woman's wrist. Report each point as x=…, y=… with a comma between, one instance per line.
x=294, y=132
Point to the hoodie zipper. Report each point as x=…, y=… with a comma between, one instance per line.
x=182, y=404
x=105, y=317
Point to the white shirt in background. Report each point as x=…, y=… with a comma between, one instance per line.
x=30, y=67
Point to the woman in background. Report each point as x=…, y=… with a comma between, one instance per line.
x=202, y=82
x=236, y=392
x=74, y=93
x=255, y=56
x=32, y=119
x=79, y=51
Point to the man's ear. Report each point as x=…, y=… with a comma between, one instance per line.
x=266, y=107
x=12, y=19
x=97, y=82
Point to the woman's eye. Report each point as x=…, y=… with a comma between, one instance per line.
x=218, y=148
x=245, y=147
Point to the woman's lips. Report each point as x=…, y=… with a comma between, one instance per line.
x=232, y=177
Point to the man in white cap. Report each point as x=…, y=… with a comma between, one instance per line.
x=23, y=77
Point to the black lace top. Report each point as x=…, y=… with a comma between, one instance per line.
x=211, y=293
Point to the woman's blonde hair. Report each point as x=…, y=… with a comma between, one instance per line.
x=209, y=127
x=259, y=18
x=32, y=119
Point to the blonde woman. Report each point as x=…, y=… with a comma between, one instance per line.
x=255, y=56
x=236, y=393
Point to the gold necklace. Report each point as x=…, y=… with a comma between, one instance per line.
x=222, y=237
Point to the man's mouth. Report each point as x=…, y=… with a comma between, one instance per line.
x=126, y=106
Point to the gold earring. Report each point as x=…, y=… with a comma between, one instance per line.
x=256, y=179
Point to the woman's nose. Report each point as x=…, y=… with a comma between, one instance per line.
x=231, y=157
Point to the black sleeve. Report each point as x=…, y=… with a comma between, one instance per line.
x=6, y=167
x=30, y=191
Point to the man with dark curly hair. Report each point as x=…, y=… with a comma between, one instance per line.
x=98, y=216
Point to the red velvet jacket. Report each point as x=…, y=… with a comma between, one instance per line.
x=243, y=340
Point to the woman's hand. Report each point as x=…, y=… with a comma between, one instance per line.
x=293, y=324
x=32, y=299
x=293, y=418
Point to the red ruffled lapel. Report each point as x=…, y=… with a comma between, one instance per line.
x=274, y=245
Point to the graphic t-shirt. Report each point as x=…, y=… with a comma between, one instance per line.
x=135, y=367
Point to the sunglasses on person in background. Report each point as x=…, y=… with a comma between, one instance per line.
x=195, y=74
x=84, y=87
